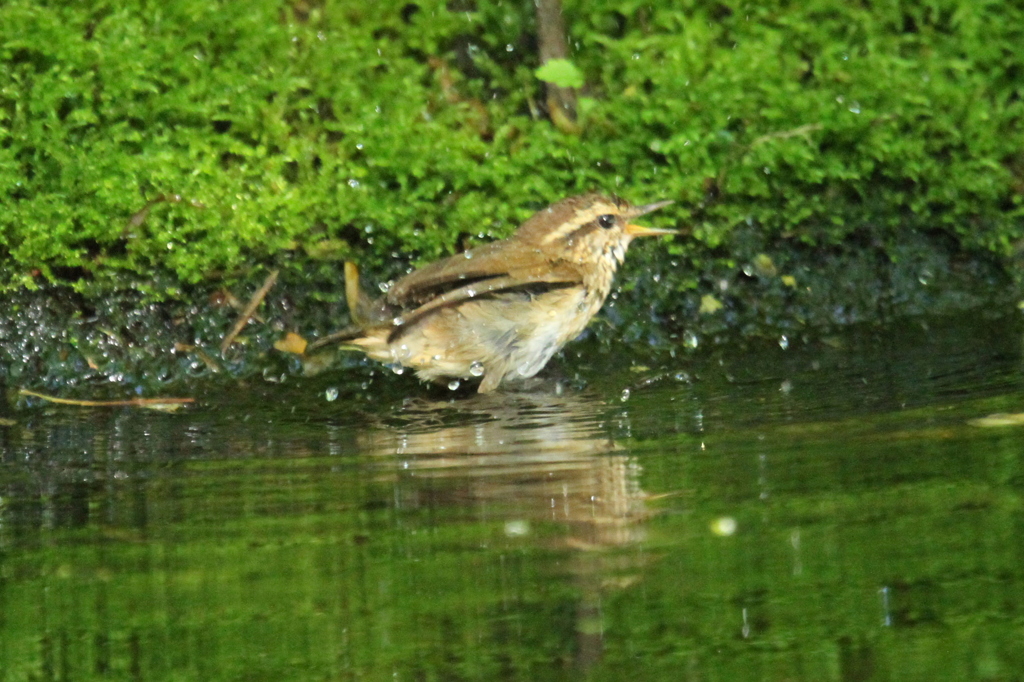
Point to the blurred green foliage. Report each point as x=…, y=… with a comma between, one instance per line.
x=313, y=131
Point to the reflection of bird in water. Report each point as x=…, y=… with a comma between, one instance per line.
x=529, y=456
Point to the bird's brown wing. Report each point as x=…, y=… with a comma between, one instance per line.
x=486, y=287
x=485, y=269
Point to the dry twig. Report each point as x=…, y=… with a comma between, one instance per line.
x=152, y=403
x=254, y=303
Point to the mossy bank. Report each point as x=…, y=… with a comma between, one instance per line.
x=831, y=161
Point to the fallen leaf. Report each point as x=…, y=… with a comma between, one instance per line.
x=291, y=343
x=763, y=265
x=709, y=304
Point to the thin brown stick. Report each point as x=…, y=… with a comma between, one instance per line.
x=131, y=402
x=254, y=303
x=783, y=134
x=341, y=335
x=738, y=151
x=198, y=352
x=140, y=216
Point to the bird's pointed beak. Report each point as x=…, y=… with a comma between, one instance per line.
x=641, y=231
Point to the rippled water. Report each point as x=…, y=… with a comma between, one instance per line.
x=827, y=511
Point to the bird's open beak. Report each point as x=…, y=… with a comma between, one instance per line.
x=641, y=231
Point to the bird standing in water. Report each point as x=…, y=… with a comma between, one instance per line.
x=500, y=311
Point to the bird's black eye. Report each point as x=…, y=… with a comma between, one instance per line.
x=606, y=220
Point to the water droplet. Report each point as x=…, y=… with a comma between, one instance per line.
x=331, y=394
x=359, y=145
x=786, y=386
x=398, y=321
x=385, y=286
x=625, y=395
x=454, y=384
x=855, y=108
x=783, y=342
x=471, y=292
x=690, y=340
x=467, y=254
x=477, y=369
x=395, y=367
x=636, y=55
x=509, y=48
x=404, y=353
x=352, y=182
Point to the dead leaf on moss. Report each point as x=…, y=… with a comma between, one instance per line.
x=709, y=304
x=291, y=343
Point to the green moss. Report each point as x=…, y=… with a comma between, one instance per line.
x=397, y=126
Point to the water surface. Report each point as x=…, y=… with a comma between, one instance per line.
x=823, y=511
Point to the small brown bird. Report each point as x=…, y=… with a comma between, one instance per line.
x=500, y=311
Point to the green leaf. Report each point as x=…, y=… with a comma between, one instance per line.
x=561, y=72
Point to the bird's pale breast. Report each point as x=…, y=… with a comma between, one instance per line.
x=504, y=337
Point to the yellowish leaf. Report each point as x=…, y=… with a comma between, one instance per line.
x=291, y=343
x=763, y=265
x=709, y=304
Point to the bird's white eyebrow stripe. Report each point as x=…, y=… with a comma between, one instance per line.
x=582, y=219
